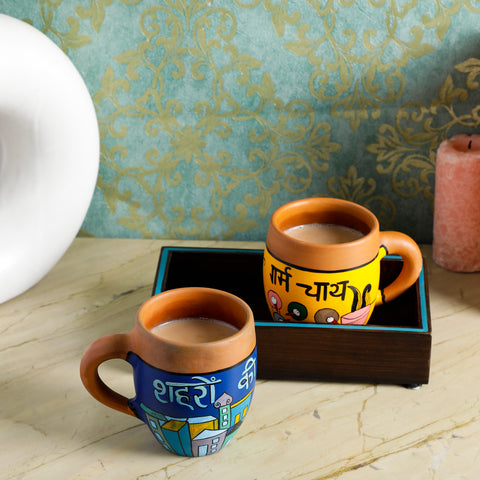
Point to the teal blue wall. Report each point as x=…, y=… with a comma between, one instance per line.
x=213, y=113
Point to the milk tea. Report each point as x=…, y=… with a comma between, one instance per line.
x=194, y=330
x=323, y=233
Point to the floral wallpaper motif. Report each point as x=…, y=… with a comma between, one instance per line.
x=214, y=113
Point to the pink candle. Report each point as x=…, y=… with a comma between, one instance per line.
x=456, y=221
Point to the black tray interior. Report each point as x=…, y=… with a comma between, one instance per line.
x=240, y=272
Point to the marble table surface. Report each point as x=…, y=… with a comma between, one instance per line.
x=51, y=428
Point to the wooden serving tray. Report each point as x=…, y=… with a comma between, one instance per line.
x=393, y=348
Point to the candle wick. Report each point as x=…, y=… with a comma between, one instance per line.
x=469, y=144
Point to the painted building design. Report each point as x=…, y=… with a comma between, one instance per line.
x=198, y=424
x=176, y=434
x=224, y=410
x=208, y=442
x=199, y=436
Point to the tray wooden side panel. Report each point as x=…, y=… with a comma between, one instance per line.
x=373, y=357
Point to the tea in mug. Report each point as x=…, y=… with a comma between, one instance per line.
x=323, y=233
x=194, y=330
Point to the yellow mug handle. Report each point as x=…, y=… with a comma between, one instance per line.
x=397, y=243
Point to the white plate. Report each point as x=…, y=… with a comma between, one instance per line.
x=49, y=155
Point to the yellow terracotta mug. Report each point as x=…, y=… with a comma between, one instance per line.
x=311, y=277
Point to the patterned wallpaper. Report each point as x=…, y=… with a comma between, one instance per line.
x=212, y=113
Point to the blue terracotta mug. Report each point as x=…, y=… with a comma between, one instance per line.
x=193, y=353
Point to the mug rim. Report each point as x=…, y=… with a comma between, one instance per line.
x=181, y=292
x=328, y=257
x=189, y=357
